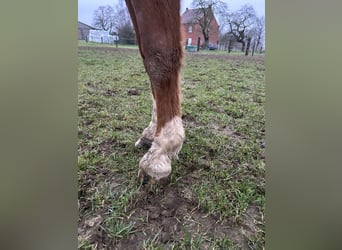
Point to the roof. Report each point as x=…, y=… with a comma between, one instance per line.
x=192, y=16
x=188, y=16
x=86, y=25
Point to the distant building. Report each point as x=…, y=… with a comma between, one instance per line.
x=192, y=30
x=83, y=31
x=102, y=36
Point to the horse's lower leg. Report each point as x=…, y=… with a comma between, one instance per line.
x=169, y=134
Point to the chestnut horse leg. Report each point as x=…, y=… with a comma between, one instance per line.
x=157, y=26
x=147, y=135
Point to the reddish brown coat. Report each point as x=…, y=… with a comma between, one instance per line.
x=157, y=26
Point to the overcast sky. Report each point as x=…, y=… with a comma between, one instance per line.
x=86, y=8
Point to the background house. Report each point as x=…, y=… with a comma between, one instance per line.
x=192, y=30
x=83, y=31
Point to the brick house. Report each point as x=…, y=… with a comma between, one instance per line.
x=83, y=31
x=192, y=30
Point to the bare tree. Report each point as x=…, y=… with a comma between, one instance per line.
x=241, y=22
x=115, y=19
x=256, y=33
x=259, y=31
x=104, y=18
x=205, y=11
x=121, y=15
x=123, y=23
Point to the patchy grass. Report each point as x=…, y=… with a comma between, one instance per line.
x=216, y=195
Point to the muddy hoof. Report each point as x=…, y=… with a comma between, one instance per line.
x=151, y=181
x=146, y=179
x=144, y=143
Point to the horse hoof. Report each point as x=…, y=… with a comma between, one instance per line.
x=143, y=143
x=147, y=180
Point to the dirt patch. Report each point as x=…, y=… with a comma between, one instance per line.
x=230, y=132
x=227, y=131
x=106, y=146
x=189, y=120
x=170, y=214
x=134, y=92
x=110, y=92
x=89, y=229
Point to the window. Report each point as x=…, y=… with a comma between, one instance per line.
x=189, y=41
x=190, y=29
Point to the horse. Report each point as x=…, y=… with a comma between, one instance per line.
x=157, y=25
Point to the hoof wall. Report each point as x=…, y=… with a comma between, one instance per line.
x=144, y=143
x=147, y=180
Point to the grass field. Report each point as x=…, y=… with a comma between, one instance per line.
x=216, y=195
